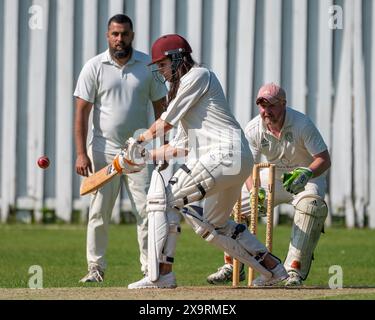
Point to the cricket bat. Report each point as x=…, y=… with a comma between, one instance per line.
x=100, y=178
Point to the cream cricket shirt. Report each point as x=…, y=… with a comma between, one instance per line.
x=299, y=141
x=201, y=113
x=120, y=95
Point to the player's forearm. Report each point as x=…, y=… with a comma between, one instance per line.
x=321, y=163
x=166, y=153
x=80, y=133
x=158, y=128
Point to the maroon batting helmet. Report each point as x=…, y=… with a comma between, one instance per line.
x=170, y=44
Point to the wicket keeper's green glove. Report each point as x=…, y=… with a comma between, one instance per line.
x=262, y=210
x=295, y=181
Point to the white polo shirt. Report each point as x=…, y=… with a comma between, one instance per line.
x=201, y=113
x=120, y=95
x=300, y=140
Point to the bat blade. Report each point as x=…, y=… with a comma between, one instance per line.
x=98, y=179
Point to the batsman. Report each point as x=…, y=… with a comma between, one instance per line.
x=287, y=138
x=217, y=163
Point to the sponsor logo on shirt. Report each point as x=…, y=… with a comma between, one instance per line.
x=265, y=143
x=289, y=136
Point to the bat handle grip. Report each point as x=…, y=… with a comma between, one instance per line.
x=116, y=164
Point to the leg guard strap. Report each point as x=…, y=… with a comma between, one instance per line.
x=190, y=183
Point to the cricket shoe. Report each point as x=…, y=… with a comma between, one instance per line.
x=293, y=280
x=224, y=274
x=165, y=281
x=95, y=275
x=278, y=274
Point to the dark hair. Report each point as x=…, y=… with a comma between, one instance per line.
x=183, y=68
x=121, y=18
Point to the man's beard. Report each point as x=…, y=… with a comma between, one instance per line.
x=269, y=120
x=121, y=54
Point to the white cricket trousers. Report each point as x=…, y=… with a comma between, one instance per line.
x=229, y=179
x=101, y=206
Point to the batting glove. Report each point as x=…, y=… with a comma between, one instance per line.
x=296, y=180
x=127, y=166
x=136, y=152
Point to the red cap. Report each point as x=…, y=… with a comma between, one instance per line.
x=168, y=44
x=272, y=93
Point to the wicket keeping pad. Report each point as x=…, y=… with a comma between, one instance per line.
x=311, y=212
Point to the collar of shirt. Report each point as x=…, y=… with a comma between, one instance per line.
x=107, y=58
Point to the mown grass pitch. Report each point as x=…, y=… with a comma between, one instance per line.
x=60, y=251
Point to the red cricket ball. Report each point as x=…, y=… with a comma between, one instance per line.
x=43, y=162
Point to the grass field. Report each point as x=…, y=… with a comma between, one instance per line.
x=60, y=251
